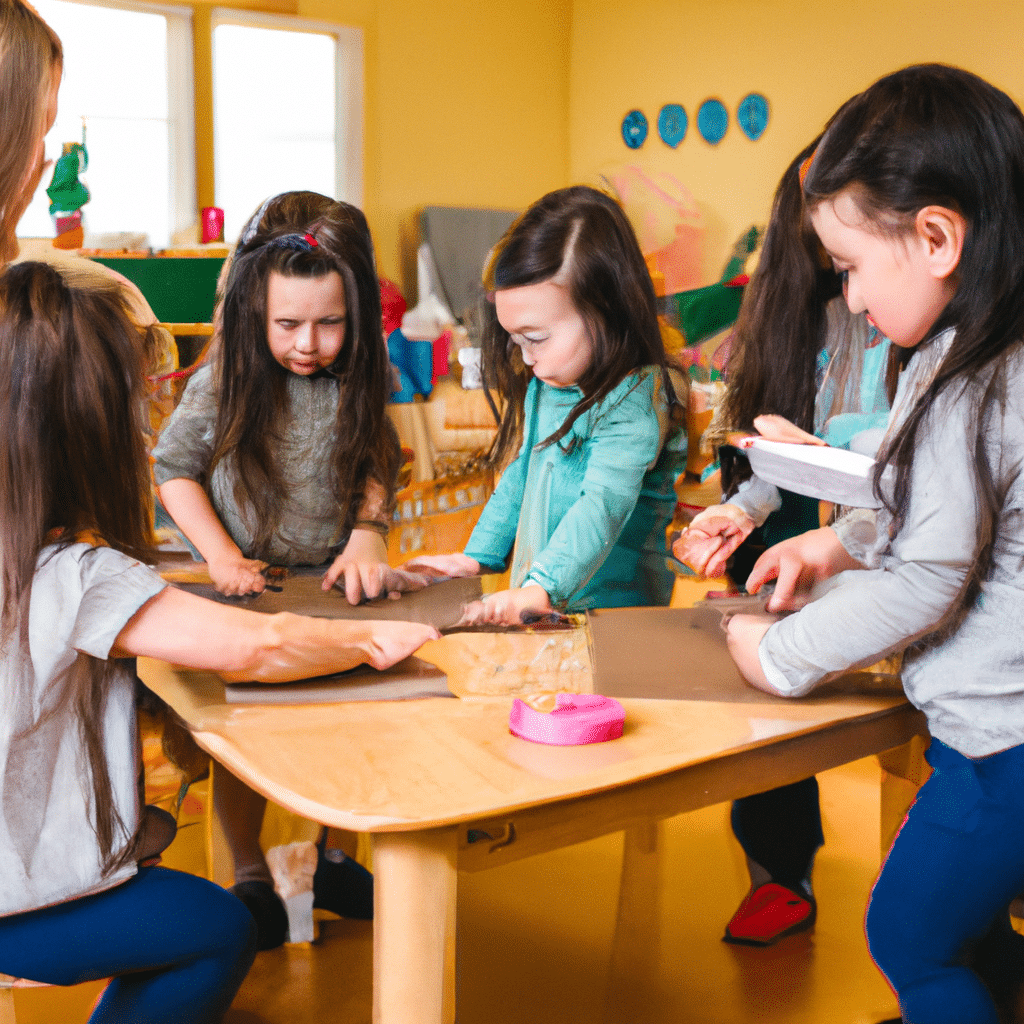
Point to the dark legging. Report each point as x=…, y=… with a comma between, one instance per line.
x=780, y=830
x=177, y=946
x=957, y=862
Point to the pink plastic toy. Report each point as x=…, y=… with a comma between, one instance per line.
x=578, y=718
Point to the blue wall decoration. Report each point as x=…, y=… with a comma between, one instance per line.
x=634, y=129
x=712, y=121
x=672, y=124
x=752, y=115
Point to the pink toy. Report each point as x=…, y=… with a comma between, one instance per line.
x=578, y=718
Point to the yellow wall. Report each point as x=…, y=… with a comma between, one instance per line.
x=805, y=57
x=466, y=104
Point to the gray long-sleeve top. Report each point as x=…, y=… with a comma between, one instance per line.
x=312, y=526
x=970, y=685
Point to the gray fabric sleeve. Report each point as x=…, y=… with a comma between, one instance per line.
x=758, y=498
x=870, y=614
x=185, y=446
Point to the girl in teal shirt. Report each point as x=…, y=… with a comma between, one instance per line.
x=572, y=346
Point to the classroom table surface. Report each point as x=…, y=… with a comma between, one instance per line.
x=442, y=786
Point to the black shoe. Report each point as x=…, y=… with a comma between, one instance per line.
x=343, y=887
x=267, y=911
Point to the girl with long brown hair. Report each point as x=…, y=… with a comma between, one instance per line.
x=281, y=451
x=80, y=897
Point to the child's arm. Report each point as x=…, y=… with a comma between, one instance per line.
x=241, y=645
x=231, y=572
x=798, y=565
x=871, y=614
x=362, y=567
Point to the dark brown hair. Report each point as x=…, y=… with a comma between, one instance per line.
x=30, y=54
x=73, y=466
x=584, y=236
x=252, y=386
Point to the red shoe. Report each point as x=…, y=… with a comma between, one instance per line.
x=770, y=912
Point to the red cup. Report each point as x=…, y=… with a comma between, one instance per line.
x=212, y=220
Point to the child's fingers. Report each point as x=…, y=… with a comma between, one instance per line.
x=789, y=584
x=765, y=568
x=716, y=563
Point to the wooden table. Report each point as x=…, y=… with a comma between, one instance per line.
x=442, y=786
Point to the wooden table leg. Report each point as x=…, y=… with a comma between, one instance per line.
x=636, y=945
x=414, y=926
x=904, y=771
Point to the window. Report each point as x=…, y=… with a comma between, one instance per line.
x=288, y=114
x=137, y=113
x=287, y=111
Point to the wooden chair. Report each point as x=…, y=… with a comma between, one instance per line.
x=7, y=987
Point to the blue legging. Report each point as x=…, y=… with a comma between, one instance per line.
x=177, y=946
x=956, y=864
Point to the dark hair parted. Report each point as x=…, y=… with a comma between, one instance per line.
x=73, y=463
x=781, y=325
x=252, y=386
x=938, y=135
x=582, y=237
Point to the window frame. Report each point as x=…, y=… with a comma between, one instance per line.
x=348, y=84
x=181, y=105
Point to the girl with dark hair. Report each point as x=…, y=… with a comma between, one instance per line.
x=824, y=373
x=916, y=192
x=573, y=348
x=281, y=451
x=81, y=896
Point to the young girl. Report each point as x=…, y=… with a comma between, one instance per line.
x=823, y=372
x=281, y=451
x=571, y=341
x=916, y=194
x=78, y=604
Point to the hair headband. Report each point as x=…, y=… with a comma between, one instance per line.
x=295, y=242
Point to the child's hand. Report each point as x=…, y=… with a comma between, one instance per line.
x=712, y=536
x=237, y=577
x=778, y=428
x=443, y=567
x=390, y=642
x=507, y=607
x=743, y=636
x=798, y=564
x=361, y=569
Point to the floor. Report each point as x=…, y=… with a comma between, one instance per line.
x=535, y=938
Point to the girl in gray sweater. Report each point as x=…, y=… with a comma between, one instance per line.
x=916, y=193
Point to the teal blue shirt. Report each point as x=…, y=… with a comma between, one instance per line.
x=587, y=515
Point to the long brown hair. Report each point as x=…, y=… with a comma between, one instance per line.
x=72, y=464
x=583, y=234
x=30, y=54
x=781, y=325
x=252, y=386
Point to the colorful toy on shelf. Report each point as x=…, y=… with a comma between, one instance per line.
x=68, y=195
x=419, y=363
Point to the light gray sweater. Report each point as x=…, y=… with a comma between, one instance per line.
x=970, y=685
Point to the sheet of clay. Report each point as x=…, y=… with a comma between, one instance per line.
x=300, y=592
x=681, y=654
x=408, y=680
